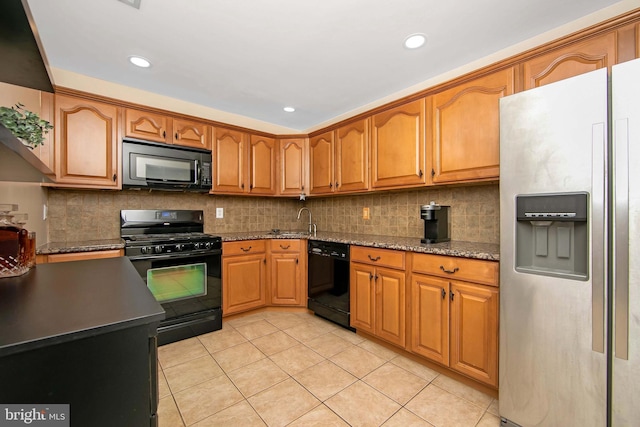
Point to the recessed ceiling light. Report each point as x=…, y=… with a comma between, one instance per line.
x=289, y=109
x=414, y=41
x=140, y=61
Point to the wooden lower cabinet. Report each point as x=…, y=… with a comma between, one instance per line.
x=378, y=294
x=453, y=322
x=430, y=318
x=287, y=262
x=474, y=331
x=243, y=276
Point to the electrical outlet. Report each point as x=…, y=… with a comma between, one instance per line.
x=219, y=212
x=366, y=214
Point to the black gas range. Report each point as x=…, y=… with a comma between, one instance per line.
x=180, y=264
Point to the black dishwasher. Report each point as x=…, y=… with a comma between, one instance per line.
x=328, y=281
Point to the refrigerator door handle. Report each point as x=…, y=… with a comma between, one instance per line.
x=621, y=238
x=599, y=146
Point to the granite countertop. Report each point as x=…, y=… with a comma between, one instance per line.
x=83, y=246
x=485, y=251
x=60, y=302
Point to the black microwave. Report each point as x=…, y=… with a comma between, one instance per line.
x=152, y=165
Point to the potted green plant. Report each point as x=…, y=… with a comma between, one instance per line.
x=25, y=125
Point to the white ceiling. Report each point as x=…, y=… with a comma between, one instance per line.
x=253, y=57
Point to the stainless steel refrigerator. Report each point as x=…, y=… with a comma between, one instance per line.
x=570, y=252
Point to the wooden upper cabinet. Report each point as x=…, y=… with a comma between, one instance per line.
x=191, y=134
x=162, y=128
x=229, y=157
x=352, y=157
x=147, y=126
x=560, y=64
x=465, y=128
x=398, y=146
x=262, y=164
x=321, y=176
x=86, y=135
x=292, y=166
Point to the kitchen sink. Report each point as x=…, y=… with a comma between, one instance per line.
x=289, y=233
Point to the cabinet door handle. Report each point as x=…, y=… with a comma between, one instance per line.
x=115, y=177
x=452, y=295
x=296, y=260
x=373, y=259
x=264, y=260
x=331, y=185
x=302, y=188
x=448, y=271
x=177, y=136
x=337, y=184
x=242, y=185
x=284, y=247
x=164, y=133
x=250, y=186
x=370, y=276
x=376, y=277
x=433, y=173
x=245, y=249
x=420, y=173
x=444, y=293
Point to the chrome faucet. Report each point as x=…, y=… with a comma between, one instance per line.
x=312, y=227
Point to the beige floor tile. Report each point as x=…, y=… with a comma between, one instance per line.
x=257, y=376
x=256, y=329
x=361, y=405
x=415, y=368
x=275, y=343
x=305, y=332
x=241, y=415
x=238, y=356
x=163, y=387
x=322, y=324
x=243, y=320
x=284, y=321
x=325, y=379
x=378, y=350
x=283, y=403
x=329, y=344
x=395, y=382
x=357, y=361
x=168, y=414
x=180, y=352
x=220, y=340
x=296, y=359
x=441, y=408
x=464, y=391
x=404, y=418
x=320, y=416
x=205, y=399
x=348, y=335
x=489, y=420
x=193, y=372
x=493, y=408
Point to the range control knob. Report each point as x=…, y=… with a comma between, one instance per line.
x=207, y=245
x=196, y=245
x=158, y=249
x=146, y=249
x=179, y=247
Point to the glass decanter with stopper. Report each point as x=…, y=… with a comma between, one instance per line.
x=16, y=254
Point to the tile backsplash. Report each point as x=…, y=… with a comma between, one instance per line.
x=76, y=215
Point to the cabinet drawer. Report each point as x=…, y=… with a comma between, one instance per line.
x=379, y=257
x=285, y=245
x=470, y=270
x=243, y=247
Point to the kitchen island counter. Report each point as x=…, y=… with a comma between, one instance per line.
x=55, y=303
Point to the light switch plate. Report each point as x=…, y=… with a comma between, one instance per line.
x=366, y=214
x=219, y=212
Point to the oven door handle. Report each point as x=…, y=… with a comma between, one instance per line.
x=174, y=255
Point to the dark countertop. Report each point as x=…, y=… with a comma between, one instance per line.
x=485, y=251
x=60, y=302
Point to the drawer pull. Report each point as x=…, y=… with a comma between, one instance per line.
x=449, y=271
x=373, y=259
x=245, y=249
x=285, y=247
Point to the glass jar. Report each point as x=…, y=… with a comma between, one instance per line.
x=14, y=243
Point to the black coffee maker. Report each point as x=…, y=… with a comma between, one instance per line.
x=437, y=227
